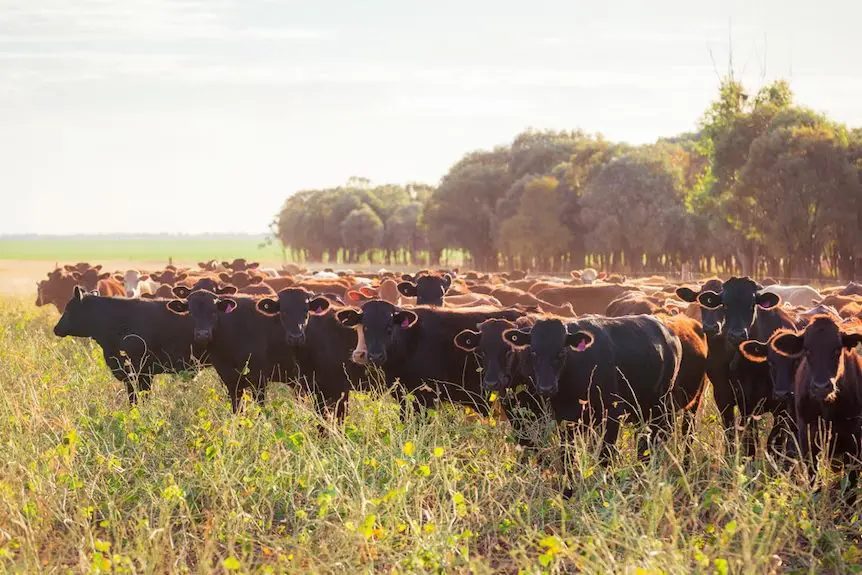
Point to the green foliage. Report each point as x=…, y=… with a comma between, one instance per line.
x=362, y=229
x=705, y=197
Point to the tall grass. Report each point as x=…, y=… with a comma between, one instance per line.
x=178, y=484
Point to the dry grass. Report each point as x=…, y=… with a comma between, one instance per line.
x=178, y=484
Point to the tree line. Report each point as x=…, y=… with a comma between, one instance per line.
x=764, y=186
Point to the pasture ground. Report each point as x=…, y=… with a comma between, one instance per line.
x=178, y=484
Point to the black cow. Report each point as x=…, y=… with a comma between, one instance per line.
x=827, y=390
x=246, y=348
x=733, y=313
x=427, y=289
x=139, y=338
x=596, y=369
x=322, y=347
x=503, y=371
x=415, y=347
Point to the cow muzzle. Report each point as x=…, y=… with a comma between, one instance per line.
x=295, y=339
x=495, y=383
x=821, y=390
x=203, y=335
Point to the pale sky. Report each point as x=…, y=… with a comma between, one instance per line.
x=202, y=116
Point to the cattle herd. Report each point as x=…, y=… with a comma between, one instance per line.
x=593, y=349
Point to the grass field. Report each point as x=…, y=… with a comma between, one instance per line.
x=178, y=484
x=136, y=248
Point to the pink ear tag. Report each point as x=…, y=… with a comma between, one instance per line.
x=405, y=323
x=318, y=309
x=582, y=345
x=230, y=307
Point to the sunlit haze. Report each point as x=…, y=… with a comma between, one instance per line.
x=198, y=116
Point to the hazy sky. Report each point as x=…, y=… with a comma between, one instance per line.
x=187, y=115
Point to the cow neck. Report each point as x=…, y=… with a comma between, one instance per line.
x=108, y=317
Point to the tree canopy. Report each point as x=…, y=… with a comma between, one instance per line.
x=763, y=186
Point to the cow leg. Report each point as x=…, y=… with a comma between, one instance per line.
x=609, y=440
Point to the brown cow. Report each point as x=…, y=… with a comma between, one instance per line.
x=633, y=303
x=110, y=287
x=589, y=299
x=57, y=289
x=827, y=389
x=247, y=283
x=688, y=390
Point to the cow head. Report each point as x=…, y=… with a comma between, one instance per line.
x=240, y=264
x=822, y=346
x=205, y=308
x=360, y=295
x=169, y=276
x=293, y=306
x=73, y=322
x=427, y=289
x=495, y=355
x=737, y=301
x=89, y=279
x=548, y=343
x=203, y=284
x=782, y=368
x=240, y=280
x=380, y=322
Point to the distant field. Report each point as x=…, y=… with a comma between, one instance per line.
x=139, y=248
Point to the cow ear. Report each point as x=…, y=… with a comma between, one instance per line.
x=178, y=306
x=518, y=338
x=318, y=306
x=104, y=276
x=157, y=276
x=580, y=340
x=226, y=290
x=181, y=292
x=355, y=295
x=405, y=318
x=349, y=317
x=851, y=340
x=97, y=267
x=686, y=294
x=181, y=277
x=78, y=293
x=709, y=300
x=768, y=300
x=254, y=280
x=575, y=274
x=447, y=281
x=226, y=305
x=225, y=264
x=788, y=344
x=407, y=289
x=252, y=265
x=468, y=340
x=76, y=276
x=268, y=306
x=69, y=268
x=407, y=278
x=754, y=351
x=202, y=265
x=119, y=278
x=224, y=277
x=144, y=277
